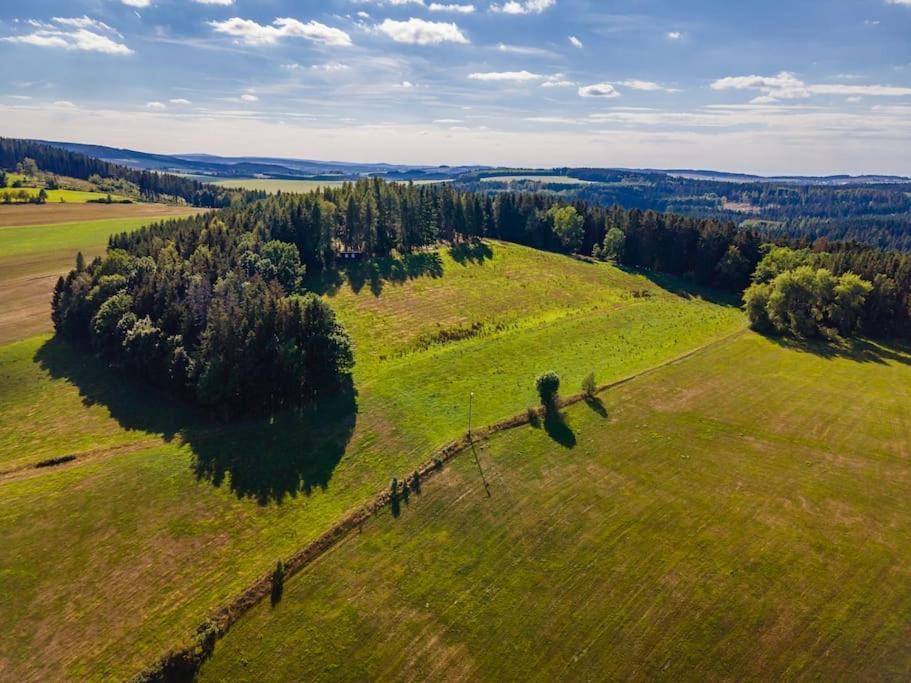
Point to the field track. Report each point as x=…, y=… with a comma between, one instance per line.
x=226, y=616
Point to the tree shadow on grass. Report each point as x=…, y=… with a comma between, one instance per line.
x=269, y=459
x=858, y=350
x=376, y=272
x=266, y=459
x=687, y=289
x=133, y=405
x=596, y=404
x=471, y=252
x=558, y=429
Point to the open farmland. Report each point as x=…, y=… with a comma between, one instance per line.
x=704, y=521
x=64, y=196
x=163, y=515
x=544, y=179
x=33, y=256
x=272, y=185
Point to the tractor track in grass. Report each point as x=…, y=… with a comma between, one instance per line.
x=182, y=663
x=53, y=464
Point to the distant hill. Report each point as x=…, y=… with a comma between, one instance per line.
x=289, y=168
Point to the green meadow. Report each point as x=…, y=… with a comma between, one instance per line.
x=740, y=515
x=165, y=515
x=272, y=185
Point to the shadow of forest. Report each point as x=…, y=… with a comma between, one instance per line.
x=375, y=273
x=267, y=459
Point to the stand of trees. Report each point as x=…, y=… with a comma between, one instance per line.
x=152, y=185
x=211, y=313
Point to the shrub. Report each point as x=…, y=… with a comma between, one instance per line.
x=548, y=385
x=589, y=387
x=533, y=419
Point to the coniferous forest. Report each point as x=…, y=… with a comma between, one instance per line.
x=153, y=186
x=215, y=307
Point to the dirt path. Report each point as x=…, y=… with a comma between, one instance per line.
x=184, y=662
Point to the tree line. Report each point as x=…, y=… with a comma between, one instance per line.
x=153, y=186
x=876, y=214
x=215, y=307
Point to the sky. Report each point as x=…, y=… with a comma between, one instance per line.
x=770, y=87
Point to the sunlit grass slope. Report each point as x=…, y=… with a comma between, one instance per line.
x=739, y=515
x=165, y=515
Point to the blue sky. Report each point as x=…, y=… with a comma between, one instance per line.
x=808, y=86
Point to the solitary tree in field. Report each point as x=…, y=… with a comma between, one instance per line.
x=42, y=196
x=589, y=387
x=548, y=385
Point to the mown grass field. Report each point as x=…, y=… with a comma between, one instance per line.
x=32, y=257
x=271, y=185
x=111, y=560
x=62, y=196
x=53, y=196
x=741, y=515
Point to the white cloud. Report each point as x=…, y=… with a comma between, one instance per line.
x=454, y=8
x=180, y=101
x=74, y=33
x=250, y=32
x=522, y=50
x=420, y=32
x=558, y=83
x=598, y=90
x=155, y=106
x=647, y=86
x=406, y=85
x=82, y=22
x=64, y=104
x=505, y=76
x=674, y=35
x=221, y=3
x=523, y=7
x=576, y=42
x=249, y=97
x=786, y=86
x=137, y=3
x=330, y=66
x=906, y=3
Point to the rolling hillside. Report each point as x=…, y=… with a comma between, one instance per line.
x=163, y=515
x=734, y=516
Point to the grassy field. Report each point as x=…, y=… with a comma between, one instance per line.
x=270, y=185
x=546, y=179
x=741, y=515
x=62, y=196
x=165, y=516
x=300, y=186
x=33, y=256
x=53, y=196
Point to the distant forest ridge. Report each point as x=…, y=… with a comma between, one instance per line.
x=871, y=209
